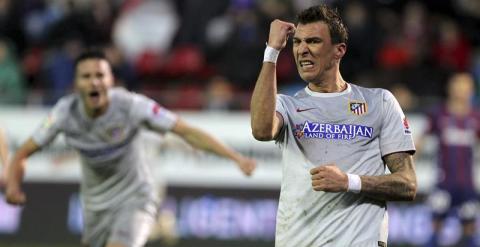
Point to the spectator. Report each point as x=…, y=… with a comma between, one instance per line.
x=12, y=85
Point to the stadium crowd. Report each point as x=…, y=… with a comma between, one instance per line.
x=190, y=55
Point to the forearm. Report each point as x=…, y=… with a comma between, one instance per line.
x=3, y=149
x=262, y=107
x=203, y=141
x=16, y=171
x=400, y=185
x=392, y=187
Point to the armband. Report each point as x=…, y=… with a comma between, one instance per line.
x=271, y=55
x=354, y=183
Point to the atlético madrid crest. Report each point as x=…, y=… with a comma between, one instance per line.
x=358, y=108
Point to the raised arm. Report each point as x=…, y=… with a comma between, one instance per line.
x=400, y=185
x=16, y=171
x=265, y=122
x=201, y=140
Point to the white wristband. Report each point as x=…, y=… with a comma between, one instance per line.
x=354, y=183
x=271, y=55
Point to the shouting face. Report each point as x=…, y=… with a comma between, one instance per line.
x=93, y=79
x=315, y=55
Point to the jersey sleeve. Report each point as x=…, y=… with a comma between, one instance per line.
x=153, y=115
x=395, y=133
x=51, y=126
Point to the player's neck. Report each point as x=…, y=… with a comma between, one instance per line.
x=335, y=84
x=96, y=112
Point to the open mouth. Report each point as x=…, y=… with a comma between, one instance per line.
x=94, y=95
x=306, y=64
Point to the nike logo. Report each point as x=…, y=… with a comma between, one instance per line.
x=306, y=109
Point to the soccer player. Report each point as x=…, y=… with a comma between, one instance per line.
x=103, y=124
x=336, y=138
x=3, y=158
x=456, y=124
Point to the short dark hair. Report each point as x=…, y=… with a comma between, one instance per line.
x=90, y=54
x=338, y=30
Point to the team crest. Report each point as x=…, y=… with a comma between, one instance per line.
x=116, y=132
x=358, y=108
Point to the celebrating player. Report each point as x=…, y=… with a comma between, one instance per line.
x=102, y=124
x=336, y=138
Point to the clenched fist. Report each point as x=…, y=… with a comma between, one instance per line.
x=247, y=165
x=329, y=178
x=14, y=195
x=279, y=33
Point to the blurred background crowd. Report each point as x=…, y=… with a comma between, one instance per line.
x=192, y=54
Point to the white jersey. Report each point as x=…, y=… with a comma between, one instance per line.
x=353, y=129
x=113, y=169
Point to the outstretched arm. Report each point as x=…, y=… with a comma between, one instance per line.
x=16, y=171
x=3, y=157
x=201, y=140
x=400, y=185
x=265, y=122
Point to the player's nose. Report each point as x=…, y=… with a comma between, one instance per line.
x=95, y=82
x=302, y=48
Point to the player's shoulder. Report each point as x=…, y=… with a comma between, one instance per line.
x=121, y=97
x=66, y=103
x=128, y=101
x=298, y=95
x=371, y=91
x=119, y=93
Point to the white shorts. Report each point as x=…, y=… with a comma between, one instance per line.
x=128, y=224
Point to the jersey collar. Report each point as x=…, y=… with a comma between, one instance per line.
x=328, y=95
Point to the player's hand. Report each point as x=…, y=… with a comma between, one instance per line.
x=329, y=178
x=3, y=178
x=247, y=165
x=279, y=33
x=14, y=195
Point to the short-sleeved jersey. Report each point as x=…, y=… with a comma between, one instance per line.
x=457, y=137
x=113, y=168
x=353, y=129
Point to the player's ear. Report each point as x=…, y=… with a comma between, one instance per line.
x=340, y=50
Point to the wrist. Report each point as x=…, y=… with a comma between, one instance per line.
x=271, y=54
x=236, y=157
x=354, y=183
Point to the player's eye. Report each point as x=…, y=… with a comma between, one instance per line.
x=313, y=41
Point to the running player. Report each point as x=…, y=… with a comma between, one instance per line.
x=336, y=138
x=456, y=124
x=119, y=199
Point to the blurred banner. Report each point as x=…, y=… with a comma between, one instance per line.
x=204, y=216
x=211, y=202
